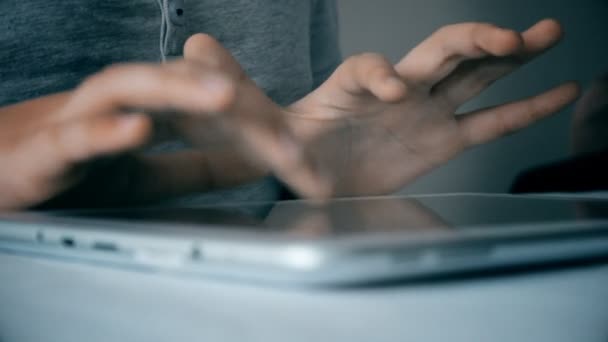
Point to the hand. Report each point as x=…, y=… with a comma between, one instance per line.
x=75, y=143
x=376, y=126
x=379, y=215
x=373, y=127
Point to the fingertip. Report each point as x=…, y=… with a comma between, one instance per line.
x=389, y=88
x=134, y=128
x=197, y=43
x=318, y=192
x=552, y=26
x=575, y=85
x=550, y=30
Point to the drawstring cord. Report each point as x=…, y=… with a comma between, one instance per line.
x=164, y=12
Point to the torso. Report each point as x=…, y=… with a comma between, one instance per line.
x=51, y=46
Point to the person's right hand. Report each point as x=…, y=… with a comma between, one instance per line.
x=373, y=127
x=58, y=143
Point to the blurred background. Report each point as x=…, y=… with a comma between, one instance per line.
x=393, y=27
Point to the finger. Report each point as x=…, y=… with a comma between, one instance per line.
x=472, y=77
x=540, y=38
x=46, y=162
x=155, y=177
x=488, y=124
x=369, y=73
x=166, y=175
x=66, y=144
x=136, y=179
x=151, y=87
x=259, y=124
x=274, y=144
x=206, y=50
x=439, y=55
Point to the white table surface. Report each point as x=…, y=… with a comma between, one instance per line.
x=51, y=300
x=42, y=300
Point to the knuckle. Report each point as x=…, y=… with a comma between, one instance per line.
x=466, y=28
x=475, y=28
x=351, y=60
x=370, y=64
x=513, y=36
x=372, y=58
x=381, y=71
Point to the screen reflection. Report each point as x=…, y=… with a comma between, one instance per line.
x=363, y=215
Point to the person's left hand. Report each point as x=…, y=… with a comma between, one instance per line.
x=373, y=127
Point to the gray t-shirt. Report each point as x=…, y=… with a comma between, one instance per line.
x=287, y=47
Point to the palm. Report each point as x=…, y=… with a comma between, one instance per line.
x=371, y=147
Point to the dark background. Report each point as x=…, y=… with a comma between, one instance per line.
x=393, y=27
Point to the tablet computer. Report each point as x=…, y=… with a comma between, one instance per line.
x=342, y=242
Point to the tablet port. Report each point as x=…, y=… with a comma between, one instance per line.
x=465, y=252
x=405, y=256
x=67, y=241
x=196, y=254
x=105, y=246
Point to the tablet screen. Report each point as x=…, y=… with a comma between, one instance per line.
x=347, y=216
